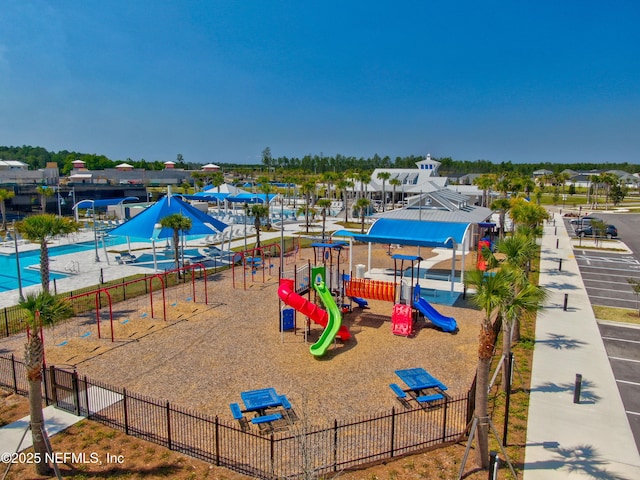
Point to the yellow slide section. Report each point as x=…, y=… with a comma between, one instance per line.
x=333, y=324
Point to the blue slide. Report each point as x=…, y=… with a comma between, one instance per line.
x=447, y=324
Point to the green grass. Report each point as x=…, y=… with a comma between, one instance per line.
x=612, y=314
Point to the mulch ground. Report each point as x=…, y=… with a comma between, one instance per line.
x=203, y=356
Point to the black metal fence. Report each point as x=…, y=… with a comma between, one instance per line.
x=300, y=449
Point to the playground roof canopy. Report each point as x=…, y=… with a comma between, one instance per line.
x=146, y=223
x=207, y=196
x=411, y=232
x=105, y=202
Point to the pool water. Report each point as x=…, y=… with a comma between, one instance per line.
x=31, y=276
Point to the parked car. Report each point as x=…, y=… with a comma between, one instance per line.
x=610, y=231
x=584, y=221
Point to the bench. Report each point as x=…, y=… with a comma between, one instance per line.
x=430, y=398
x=235, y=411
x=285, y=402
x=397, y=390
x=266, y=418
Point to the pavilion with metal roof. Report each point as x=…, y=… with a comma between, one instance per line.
x=415, y=233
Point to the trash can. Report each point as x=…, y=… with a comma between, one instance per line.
x=360, y=269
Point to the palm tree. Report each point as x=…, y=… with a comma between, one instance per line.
x=364, y=178
x=177, y=222
x=362, y=205
x=384, y=176
x=324, y=204
x=329, y=178
x=5, y=195
x=528, y=215
x=491, y=292
x=485, y=182
x=42, y=228
x=259, y=211
x=267, y=189
x=307, y=188
x=525, y=300
x=217, y=179
x=518, y=251
x=395, y=182
x=44, y=192
x=345, y=202
x=39, y=309
x=502, y=205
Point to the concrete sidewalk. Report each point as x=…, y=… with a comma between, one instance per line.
x=592, y=438
x=55, y=420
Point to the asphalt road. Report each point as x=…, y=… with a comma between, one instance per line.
x=622, y=344
x=605, y=277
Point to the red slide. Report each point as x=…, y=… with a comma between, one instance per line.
x=307, y=308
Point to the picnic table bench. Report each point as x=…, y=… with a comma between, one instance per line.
x=268, y=407
x=421, y=386
x=266, y=418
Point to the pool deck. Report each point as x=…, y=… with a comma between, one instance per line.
x=90, y=270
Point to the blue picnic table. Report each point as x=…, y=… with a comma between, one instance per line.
x=419, y=379
x=260, y=400
x=419, y=383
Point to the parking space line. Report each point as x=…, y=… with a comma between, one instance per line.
x=608, y=289
x=608, y=269
x=627, y=382
x=612, y=298
x=624, y=359
x=632, y=413
x=601, y=281
x=620, y=339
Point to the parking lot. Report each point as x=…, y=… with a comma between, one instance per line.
x=605, y=277
x=622, y=344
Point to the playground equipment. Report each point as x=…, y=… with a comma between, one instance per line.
x=289, y=296
x=253, y=262
x=290, y=292
x=447, y=324
x=334, y=322
x=101, y=299
x=482, y=263
x=328, y=255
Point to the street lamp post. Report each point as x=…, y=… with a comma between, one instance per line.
x=59, y=201
x=95, y=231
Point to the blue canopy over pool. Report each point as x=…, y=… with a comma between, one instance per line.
x=147, y=223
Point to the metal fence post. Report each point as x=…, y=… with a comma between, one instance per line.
x=15, y=376
x=335, y=445
x=169, y=426
x=444, y=418
x=126, y=412
x=6, y=322
x=76, y=391
x=393, y=429
x=86, y=396
x=272, y=448
x=217, y=430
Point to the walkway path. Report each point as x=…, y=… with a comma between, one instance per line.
x=592, y=438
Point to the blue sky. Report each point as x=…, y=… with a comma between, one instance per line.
x=218, y=81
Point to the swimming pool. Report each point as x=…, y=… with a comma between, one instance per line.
x=31, y=276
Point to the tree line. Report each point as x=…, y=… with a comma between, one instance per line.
x=38, y=157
